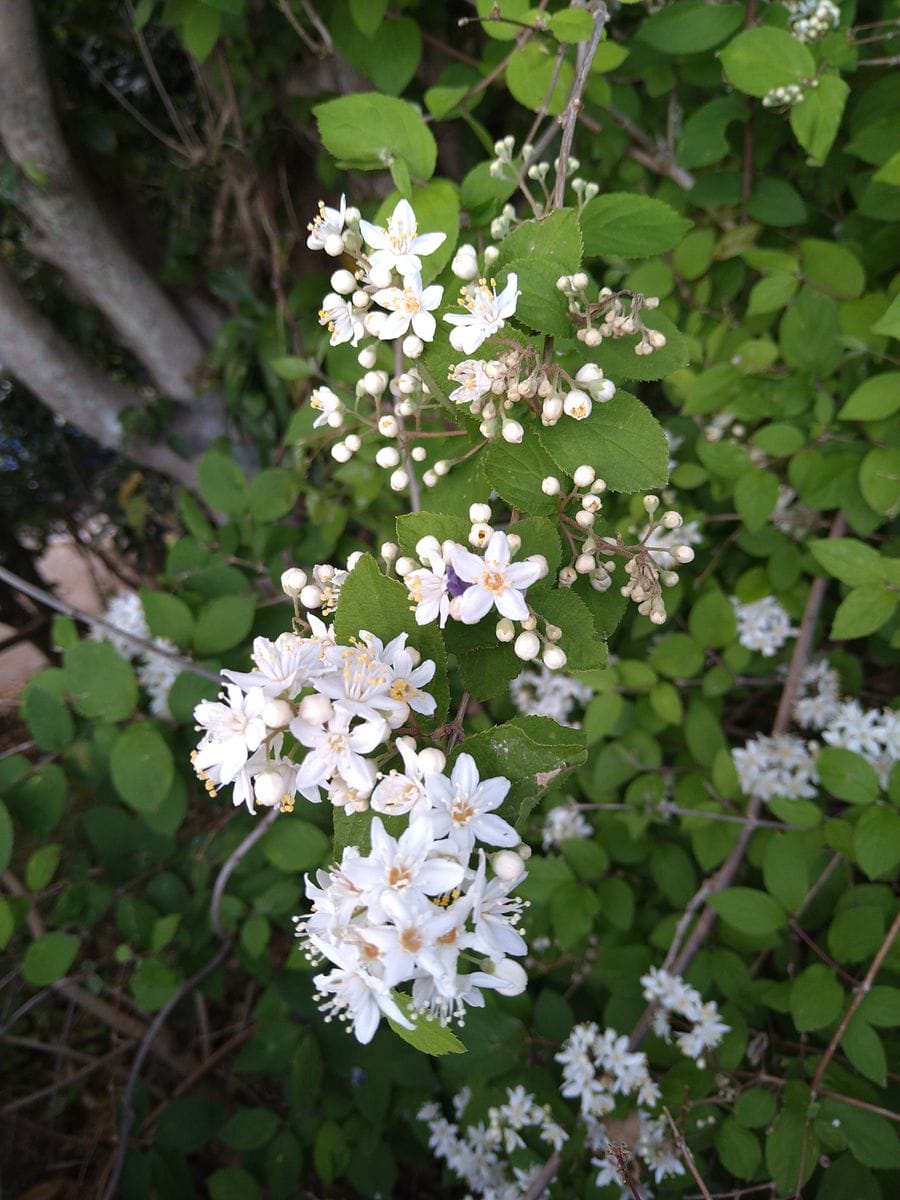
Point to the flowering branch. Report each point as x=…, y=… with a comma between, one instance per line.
x=574, y=105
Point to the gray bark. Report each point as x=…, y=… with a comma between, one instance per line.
x=72, y=232
x=46, y=363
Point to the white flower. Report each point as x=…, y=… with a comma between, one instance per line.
x=428, y=591
x=495, y=582
x=233, y=731
x=563, y=824
x=336, y=750
x=487, y=313
x=126, y=612
x=855, y=728
x=328, y=405
x=402, y=866
x=329, y=224
x=762, y=625
x=463, y=805
x=355, y=994
x=342, y=320
x=398, y=247
x=410, y=305
x=397, y=793
x=157, y=673
x=282, y=666
x=472, y=379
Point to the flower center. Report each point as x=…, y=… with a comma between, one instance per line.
x=402, y=689
x=409, y=302
x=411, y=940
x=462, y=812
x=494, y=582
x=398, y=877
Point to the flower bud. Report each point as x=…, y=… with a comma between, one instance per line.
x=540, y=562
x=584, y=518
x=580, y=281
x=341, y=452
x=479, y=512
x=380, y=277
x=389, y=551
x=277, y=714
x=592, y=337
x=315, y=709
x=683, y=554
x=353, y=559
x=491, y=254
x=554, y=658
x=387, y=457
x=388, y=426
x=585, y=563
x=588, y=374
x=651, y=504
x=515, y=543
x=367, y=357
x=550, y=486
x=567, y=577
x=375, y=382
x=343, y=283
x=429, y=479
x=268, y=788
x=426, y=546
x=505, y=630
x=480, y=535
x=352, y=442
x=512, y=976
x=413, y=346
x=399, y=480
x=334, y=245
x=512, y=432
x=465, y=263
x=441, y=467
x=431, y=761
x=293, y=581
x=577, y=405
x=507, y=865
x=584, y=475
x=672, y=520
x=405, y=565
x=527, y=646
x=418, y=453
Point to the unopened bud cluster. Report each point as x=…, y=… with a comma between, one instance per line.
x=612, y=315
x=811, y=20
x=789, y=95
x=513, y=168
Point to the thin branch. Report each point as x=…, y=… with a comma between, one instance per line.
x=861, y=993
x=231, y=863
x=58, y=1084
x=574, y=105
x=543, y=1179
x=78, y=614
x=650, y=154
x=685, y=1152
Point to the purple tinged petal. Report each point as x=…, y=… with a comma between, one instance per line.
x=468, y=566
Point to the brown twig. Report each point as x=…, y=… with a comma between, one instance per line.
x=573, y=107
x=543, y=1179
x=685, y=1152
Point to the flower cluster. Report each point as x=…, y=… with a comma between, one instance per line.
x=676, y=999
x=156, y=672
x=599, y=1067
x=811, y=20
x=782, y=765
x=448, y=582
x=545, y=693
x=611, y=315
x=653, y=1145
x=762, y=625
x=475, y=1153
x=789, y=95
x=565, y=823
x=419, y=906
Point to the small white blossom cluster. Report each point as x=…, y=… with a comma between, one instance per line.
x=645, y=578
x=611, y=315
x=874, y=733
x=653, y=1145
x=794, y=519
x=782, y=765
x=818, y=696
x=547, y=693
x=762, y=625
x=491, y=389
x=676, y=999
x=811, y=20
x=156, y=672
x=565, y=823
x=667, y=540
x=599, y=1067
x=475, y=1153
x=418, y=907
x=789, y=95
x=448, y=582
x=516, y=168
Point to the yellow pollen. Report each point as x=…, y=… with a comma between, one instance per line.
x=411, y=940
x=398, y=877
x=402, y=689
x=287, y=803
x=494, y=582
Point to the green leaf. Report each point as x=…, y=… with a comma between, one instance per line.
x=677, y=655
x=872, y=1138
x=541, y=307
x=771, y=293
x=749, y=911
x=618, y=360
x=816, y=118
x=49, y=957
x=200, y=30
x=142, y=767
x=250, y=1128
x=810, y=335
x=47, y=717
x=755, y=1108
x=621, y=438
x=368, y=130
x=862, y=611
x=222, y=623
x=690, y=27
x=222, y=483
x=491, y=11
x=529, y=751
x=290, y=368
x=848, y=560
x=571, y=25
x=584, y=650
x=530, y=77
x=832, y=268
x=763, y=58
x=370, y=601
x=816, y=998
x=102, y=685
x=168, y=616
x=704, y=138
x=888, y=324
x=876, y=841
x=232, y=1183
x=855, y=933
x=712, y=621
x=187, y=1124
x=273, y=493
x=874, y=399
x=755, y=497
x=879, y=480
x=791, y=1149
x=515, y=474
x=881, y=1006
x=428, y=1036
x=368, y=14
x=293, y=845
x=847, y=775
x=41, y=866
x=864, y=1048
x=153, y=984
x=624, y=225
x=556, y=237
x=738, y=1149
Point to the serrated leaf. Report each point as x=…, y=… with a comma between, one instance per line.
x=621, y=439
x=541, y=307
x=537, y=80
x=431, y=1037
x=557, y=237
x=200, y=30
x=876, y=841
x=49, y=957
x=222, y=483
x=816, y=998
x=102, y=685
x=691, y=26
x=865, y=1050
x=816, y=119
x=142, y=767
x=763, y=58
x=369, y=130
x=515, y=474
x=848, y=560
x=584, y=650
x=879, y=480
x=749, y=911
x=847, y=775
x=622, y=225
x=874, y=399
x=222, y=623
